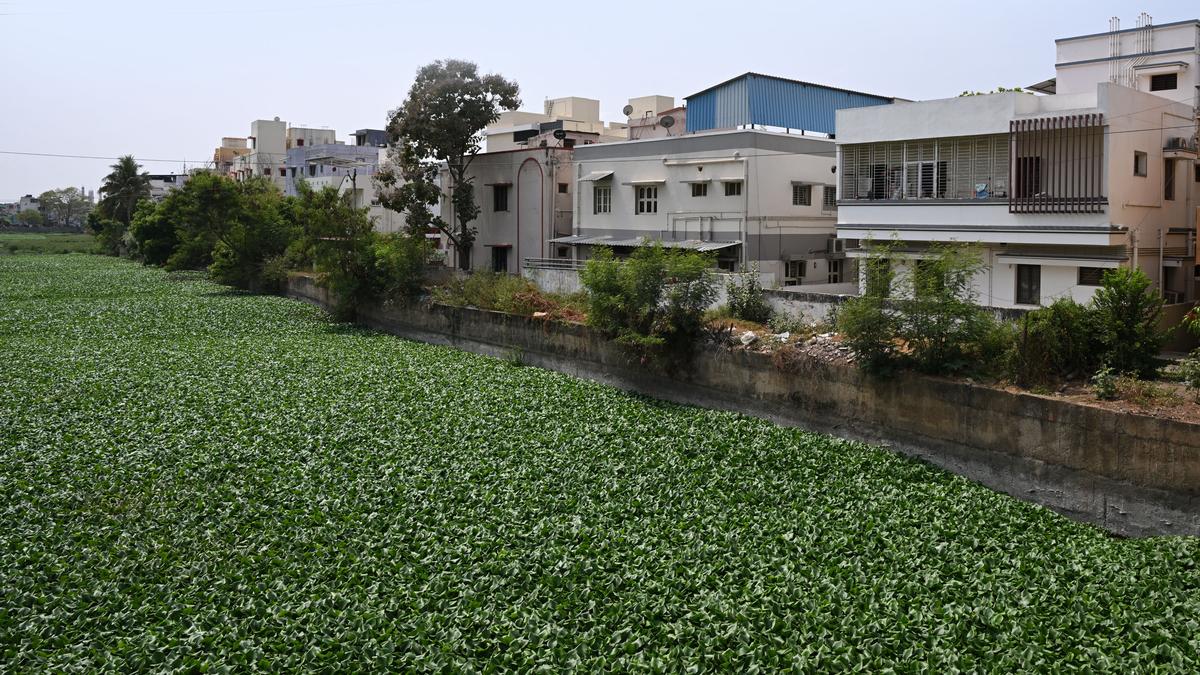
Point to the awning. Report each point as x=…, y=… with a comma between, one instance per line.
x=607, y=240
x=1052, y=260
x=648, y=181
x=698, y=180
x=498, y=245
x=597, y=175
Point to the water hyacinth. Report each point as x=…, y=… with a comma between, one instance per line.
x=193, y=478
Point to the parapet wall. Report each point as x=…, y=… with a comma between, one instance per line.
x=1132, y=474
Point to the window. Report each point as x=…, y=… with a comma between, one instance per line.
x=499, y=259
x=293, y=172
x=562, y=188
x=601, y=199
x=1091, y=276
x=733, y=189
x=647, y=199
x=266, y=172
x=1029, y=284
x=1139, y=163
x=563, y=252
x=829, y=198
x=499, y=198
x=1169, y=180
x=568, y=142
x=1029, y=177
x=1197, y=169
x=835, y=271
x=796, y=269
x=312, y=169
x=801, y=195
x=1164, y=82
x=283, y=172
x=699, y=189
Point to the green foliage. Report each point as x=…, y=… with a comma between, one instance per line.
x=746, y=298
x=869, y=329
x=930, y=321
x=31, y=217
x=42, y=243
x=490, y=290
x=997, y=90
x=1189, y=371
x=1127, y=315
x=654, y=301
x=357, y=264
x=1052, y=344
x=110, y=234
x=67, y=207
x=1104, y=383
x=197, y=481
x=123, y=188
x=442, y=120
x=937, y=314
x=154, y=232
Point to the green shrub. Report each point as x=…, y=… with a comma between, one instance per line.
x=784, y=322
x=938, y=317
x=1052, y=344
x=1104, y=384
x=1128, y=311
x=1189, y=371
x=653, y=302
x=869, y=329
x=745, y=296
x=492, y=291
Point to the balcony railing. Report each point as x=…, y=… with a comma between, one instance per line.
x=1056, y=166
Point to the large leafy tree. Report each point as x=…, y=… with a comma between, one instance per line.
x=123, y=188
x=442, y=121
x=68, y=207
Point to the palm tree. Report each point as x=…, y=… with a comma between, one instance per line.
x=123, y=189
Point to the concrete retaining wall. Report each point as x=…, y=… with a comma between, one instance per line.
x=1132, y=474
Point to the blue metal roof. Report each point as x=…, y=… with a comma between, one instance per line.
x=754, y=98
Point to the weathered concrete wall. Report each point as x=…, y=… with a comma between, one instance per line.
x=1132, y=474
x=553, y=280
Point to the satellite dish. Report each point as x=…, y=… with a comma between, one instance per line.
x=560, y=134
x=627, y=110
x=667, y=121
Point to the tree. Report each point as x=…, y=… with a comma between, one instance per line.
x=442, y=120
x=123, y=188
x=68, y=207
x=1128, y=310
x=31, y=217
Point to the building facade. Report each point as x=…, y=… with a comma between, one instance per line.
x=746, y=196
x=578, y=120
x=524, y=197
x=1054, y=189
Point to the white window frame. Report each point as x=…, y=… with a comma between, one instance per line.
x=601, y=199
x=730, y=185
x=829, y=198
x=645, y=200
x=699, y=189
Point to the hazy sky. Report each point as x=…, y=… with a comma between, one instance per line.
x=166, y=79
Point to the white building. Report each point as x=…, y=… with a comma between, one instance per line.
x=578, y=120
x=1054, y=188
x=748, y=196
x=655, y=117
x=163, y=184
x=524, y=196
x=269, y=142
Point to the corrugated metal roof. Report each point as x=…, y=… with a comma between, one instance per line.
x=607, y=240
x=754, y=98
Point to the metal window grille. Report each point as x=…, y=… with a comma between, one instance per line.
x=699, y=189
x=829, y=198
x=801, y=195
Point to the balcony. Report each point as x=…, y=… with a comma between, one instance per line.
x=1057, y=164
x=1180, y=147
